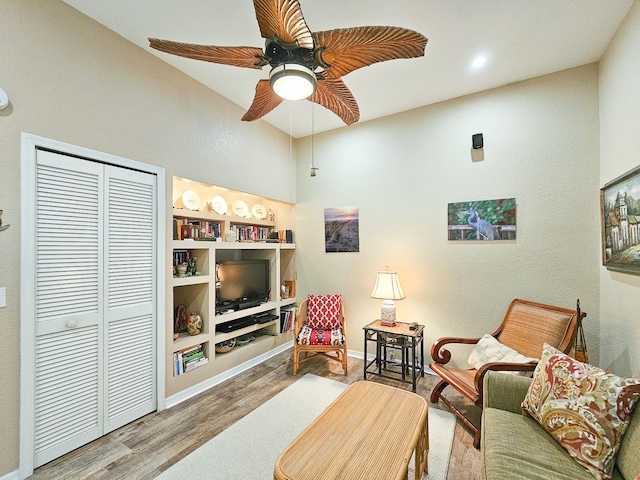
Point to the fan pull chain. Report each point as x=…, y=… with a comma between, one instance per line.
x=312, y=171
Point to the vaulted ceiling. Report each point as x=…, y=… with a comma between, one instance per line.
x=520, y=39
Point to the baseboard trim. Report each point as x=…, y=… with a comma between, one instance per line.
x=174, y=400
x=178, y=398
x=15, y=475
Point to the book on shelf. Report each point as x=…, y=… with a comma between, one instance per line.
x=184, y=229
x=198, y=363
x=187, y=359
x=286, y=319
x=192, y=358
x=249, y=233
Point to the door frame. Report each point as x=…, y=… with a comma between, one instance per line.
x=29, y=145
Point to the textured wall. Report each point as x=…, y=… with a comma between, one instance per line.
x=619, y=148
x=72, y=80
x=540, y=146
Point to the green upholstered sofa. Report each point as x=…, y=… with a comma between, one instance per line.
x=514, y=446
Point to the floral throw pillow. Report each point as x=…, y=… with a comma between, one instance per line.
x=323, y=311
x=586, y=409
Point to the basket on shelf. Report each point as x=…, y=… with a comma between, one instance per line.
x=226, y=346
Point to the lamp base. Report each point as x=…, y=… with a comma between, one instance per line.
x=388, y=313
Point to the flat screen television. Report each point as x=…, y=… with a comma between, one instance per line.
x=242, y=283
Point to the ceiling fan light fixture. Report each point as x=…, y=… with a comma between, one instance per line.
x=293, y=81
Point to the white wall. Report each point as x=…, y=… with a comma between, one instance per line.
x=541, y=147
x=72, y=80
x=619, y=153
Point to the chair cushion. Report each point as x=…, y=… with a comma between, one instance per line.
x=323, y=311
x=489, y=350
x=320, y=336
x=586, y=409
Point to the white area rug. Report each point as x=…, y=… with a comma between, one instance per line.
x=248, y=449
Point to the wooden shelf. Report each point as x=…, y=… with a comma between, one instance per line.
x=222, y=337
x=214, y=217
x=193, y=280
x=185, y=340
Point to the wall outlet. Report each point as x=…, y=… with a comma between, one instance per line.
x=3, y=297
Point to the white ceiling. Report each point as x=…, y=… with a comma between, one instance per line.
x=520, y=38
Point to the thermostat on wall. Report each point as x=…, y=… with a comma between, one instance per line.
x=4, y=99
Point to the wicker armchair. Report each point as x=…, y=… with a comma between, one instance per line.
x=321, y=333
x=526, y=326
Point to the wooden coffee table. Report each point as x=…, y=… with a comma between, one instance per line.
x=370, y=431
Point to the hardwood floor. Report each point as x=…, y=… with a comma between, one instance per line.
x=149, y=445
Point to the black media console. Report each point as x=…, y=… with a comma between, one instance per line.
x=243, y=322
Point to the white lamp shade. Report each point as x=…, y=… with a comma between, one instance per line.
x=387, y=287
x=292, y=81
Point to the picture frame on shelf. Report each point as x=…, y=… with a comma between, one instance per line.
x=620, y=223
x=292, y=287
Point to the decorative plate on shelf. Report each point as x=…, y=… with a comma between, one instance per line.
x=244, y=339
x=240, y=208
x=259, y=211
x=219, y=205
x=191, y=200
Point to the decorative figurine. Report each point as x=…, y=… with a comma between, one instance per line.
x=182, y=269
x=191, y=267
x=180, y=321
x=194, y=323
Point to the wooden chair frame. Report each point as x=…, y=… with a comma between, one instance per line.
x=340, y=351
x=470, y=382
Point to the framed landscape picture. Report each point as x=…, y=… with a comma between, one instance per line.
x=341, y=229
x=619, y=216
x=482, y=220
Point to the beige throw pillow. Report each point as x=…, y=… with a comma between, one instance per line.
x=489, y=350
x=586, y=409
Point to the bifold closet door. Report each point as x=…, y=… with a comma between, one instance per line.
x=94, y=328
x=130, y=297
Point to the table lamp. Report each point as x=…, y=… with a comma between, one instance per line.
x=388, y=288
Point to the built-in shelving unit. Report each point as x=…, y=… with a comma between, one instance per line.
x=195, y=290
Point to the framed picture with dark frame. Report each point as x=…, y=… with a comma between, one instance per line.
x=620, y=222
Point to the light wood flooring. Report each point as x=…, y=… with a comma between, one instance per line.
x=149, y=445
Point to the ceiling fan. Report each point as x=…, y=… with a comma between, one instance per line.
x=308, y=64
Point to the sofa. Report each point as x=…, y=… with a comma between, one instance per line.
x=515, y=446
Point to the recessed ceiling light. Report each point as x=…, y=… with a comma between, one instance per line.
x=479, y=61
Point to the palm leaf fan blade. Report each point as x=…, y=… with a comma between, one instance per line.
x=283, y=19
x=248, y=57
x=264, y=101
x=347, y=49
x=334, y=95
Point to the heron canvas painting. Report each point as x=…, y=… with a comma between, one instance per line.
x=482, y=220
x=620, y=218
x=341, y=229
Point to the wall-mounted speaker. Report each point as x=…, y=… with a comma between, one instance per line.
x=476, y=141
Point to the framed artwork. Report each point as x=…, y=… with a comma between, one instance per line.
x=482, y=220
x=619, y=217
x=341, y=230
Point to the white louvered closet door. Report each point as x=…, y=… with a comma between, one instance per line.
x=94, y=368
x=130, y=296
